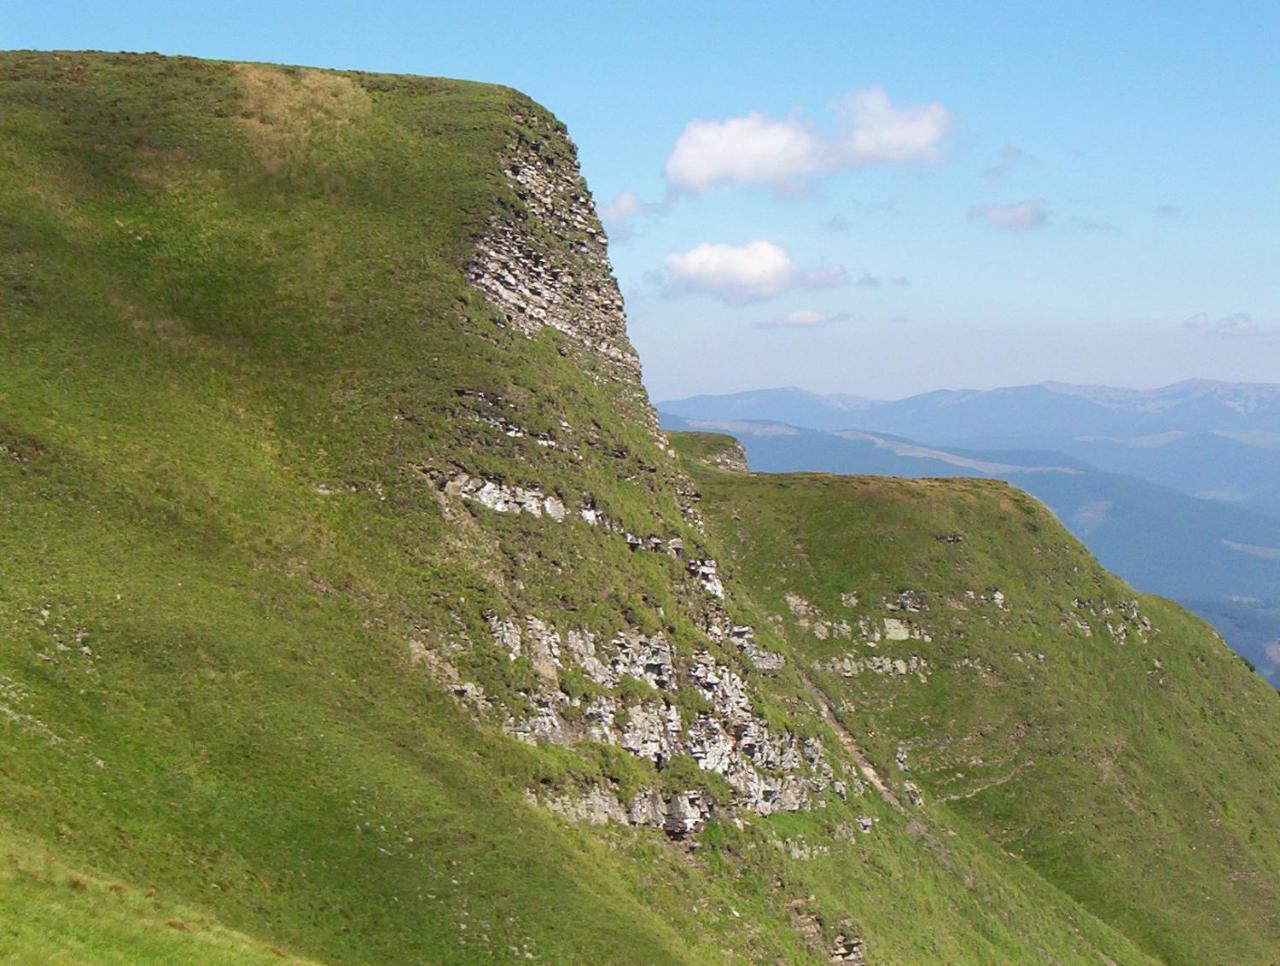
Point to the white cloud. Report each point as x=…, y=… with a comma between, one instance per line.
x=756, y=149
x=1010, y=158
x=878, y=131
x=1019, y=216
x=745, y=273
x=805, y=319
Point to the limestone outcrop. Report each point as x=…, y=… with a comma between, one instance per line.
x=767, y=771
x=568, y=286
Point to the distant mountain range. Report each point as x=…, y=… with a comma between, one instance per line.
x=1014, y=416
x=798, y=407
x=1216, y=440
x=1176, y=489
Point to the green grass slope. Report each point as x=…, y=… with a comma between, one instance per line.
x=51, y=912
x=1110, y=741
x=249, y=681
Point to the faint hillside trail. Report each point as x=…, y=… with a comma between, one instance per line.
x=849, y=743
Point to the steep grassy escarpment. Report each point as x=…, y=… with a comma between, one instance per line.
x=236, y=327
x=1109, y=740
x=354, y=610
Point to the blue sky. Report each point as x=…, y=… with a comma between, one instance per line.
x=869, y=198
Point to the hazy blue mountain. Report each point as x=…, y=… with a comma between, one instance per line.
x=1222, y=561
x=1214, y=465
x=796, y=407
x=1017, y=415
x=1219, y=441
x=1048, y=413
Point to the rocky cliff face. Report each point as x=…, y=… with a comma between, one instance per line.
x=543, y=263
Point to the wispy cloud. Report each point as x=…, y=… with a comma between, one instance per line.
x=867, y=280
x=1010, y=158
x=1167, y=211
x=1237, y=325
x=620, y=214
x=782, y=153
x=806, y=319
x=882, y=210
x=1018, y=216
x=1097, y=227
x=736, y=274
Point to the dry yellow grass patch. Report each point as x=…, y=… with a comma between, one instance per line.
x=284, y=109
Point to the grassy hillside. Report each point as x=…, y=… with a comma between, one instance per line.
x=49, y=911
x=1110, y=741
x=299, y=497
x=234, y=324
x=1218, y=560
